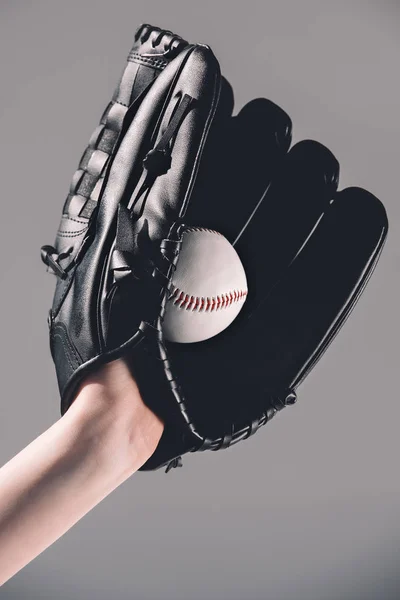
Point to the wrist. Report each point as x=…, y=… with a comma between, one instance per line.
x=112, y=416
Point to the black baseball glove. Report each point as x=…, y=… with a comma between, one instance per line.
x=169, y=153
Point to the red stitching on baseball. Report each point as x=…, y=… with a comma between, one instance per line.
x=196, y=303
x=207, y=304
x=190, y=229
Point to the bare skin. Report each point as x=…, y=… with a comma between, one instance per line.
x=107, y=434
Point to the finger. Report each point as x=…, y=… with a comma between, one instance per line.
x=226, y=100
x=286, y=215
x=306, y=309
x=262, y=133
x=241, y=159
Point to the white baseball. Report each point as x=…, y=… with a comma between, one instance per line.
x=208, y=288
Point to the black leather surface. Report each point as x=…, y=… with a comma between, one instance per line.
x=168, y=151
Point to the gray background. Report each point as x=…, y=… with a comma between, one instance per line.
x=309, y=508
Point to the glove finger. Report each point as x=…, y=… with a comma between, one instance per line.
x=286, y=216
x=226, y=100
x=241, y=157
x=299, y=318
x=264, y=132
x=142, y=68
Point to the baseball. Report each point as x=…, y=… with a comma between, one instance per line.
x=208, y=288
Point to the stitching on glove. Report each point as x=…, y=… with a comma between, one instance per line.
x=121, y=104
x=157, y=63
x=68, y=234
x=80, y=221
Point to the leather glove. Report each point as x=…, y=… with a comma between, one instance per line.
x=169, y=153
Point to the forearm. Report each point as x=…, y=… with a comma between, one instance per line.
x=44, y=490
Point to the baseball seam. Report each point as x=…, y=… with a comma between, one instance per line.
x=190, y=228
x=205, y=304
